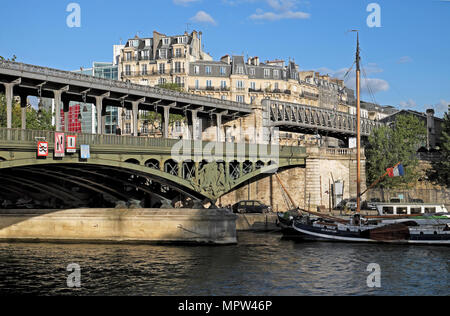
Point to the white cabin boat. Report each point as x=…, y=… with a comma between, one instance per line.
x=388, y=208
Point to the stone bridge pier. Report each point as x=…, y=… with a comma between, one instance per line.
x=308, y=185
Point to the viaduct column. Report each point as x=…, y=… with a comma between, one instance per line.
x=219, y=127
x=57, y=96
x=166, y=120
x=135, y=109
x=193, y=124
x=99, y=108
x=9, y=94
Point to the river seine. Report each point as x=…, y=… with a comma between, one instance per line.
x=260, y=265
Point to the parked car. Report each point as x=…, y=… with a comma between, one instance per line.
x=351, y=204
x=371, y=204
x=341, y=205
x=244, y=207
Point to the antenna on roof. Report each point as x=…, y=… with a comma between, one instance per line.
x=187, y=27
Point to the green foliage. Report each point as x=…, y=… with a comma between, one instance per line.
x=442, y=167
x=171, y=86
x=35, y=120
x=389, y=146
x=14, y=58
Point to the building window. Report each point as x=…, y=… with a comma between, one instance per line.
x=266, y=73
x=163, y=53
x=240, y=85
x=222, y=71
x=166, y=41
x=208, y=70
x=161, y=81
x=253, y=85
x=196, y=70
x=223, y=84
x=276, y=74
x=178, y=52
x=240, y=98
x=208, y=83
x=162, y=68
x=144, y=69
x=224, y=97
x=128, y=70
x=252, y=71
x=127, y=128
x=197, y=84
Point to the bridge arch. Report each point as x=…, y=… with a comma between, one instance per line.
x=133, y=161
x=171, y=167
x=2, y=159
x=153, y=164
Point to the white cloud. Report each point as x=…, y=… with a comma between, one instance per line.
x=405, y=60
x=203, y=17
x=184, y=2
x=410, y=104
x=282, y=9
x=271, y=16
x=442, y=107
x=374, y=85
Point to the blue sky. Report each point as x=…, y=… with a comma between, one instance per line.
x=406, y=60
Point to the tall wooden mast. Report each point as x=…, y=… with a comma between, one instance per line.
x=358, y=127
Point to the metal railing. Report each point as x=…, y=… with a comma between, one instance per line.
x=110, y=84
x=15, y=138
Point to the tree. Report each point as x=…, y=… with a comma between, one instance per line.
x=441, y=168
x=36, y=120
x=389, y=146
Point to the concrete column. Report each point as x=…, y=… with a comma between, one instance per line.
x=219, y=127
x=9, y=87
x=99, y=107
x=194, y=120
x=23, y=107
x=166, y=120
x=135, y=109
x=57, y=98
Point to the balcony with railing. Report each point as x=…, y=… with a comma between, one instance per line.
x=209, y=88
x=309, y=95
x=178, y=71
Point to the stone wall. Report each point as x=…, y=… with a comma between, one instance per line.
x=308, y=186
x=119, y=225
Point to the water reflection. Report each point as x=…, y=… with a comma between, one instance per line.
x=261, y=264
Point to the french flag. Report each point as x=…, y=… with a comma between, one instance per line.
x=397, y=171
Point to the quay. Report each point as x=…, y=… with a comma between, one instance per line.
x=187, y=226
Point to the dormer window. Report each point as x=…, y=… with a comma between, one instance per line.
x=266, y=73
x=166, y=41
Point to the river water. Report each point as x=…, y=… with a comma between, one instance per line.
x=260, y=265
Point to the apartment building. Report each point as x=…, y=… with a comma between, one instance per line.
x=181, y=60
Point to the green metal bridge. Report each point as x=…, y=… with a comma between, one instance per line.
x=158, y=171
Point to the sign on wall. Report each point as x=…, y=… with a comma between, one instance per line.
x=42, y=150
x=71, y=144
x=59, y=145
x=85, y=152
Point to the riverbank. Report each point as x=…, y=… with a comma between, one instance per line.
x=119, y=226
